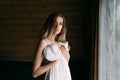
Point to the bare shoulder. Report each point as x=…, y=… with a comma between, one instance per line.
x=43, y=43
x=41, y=46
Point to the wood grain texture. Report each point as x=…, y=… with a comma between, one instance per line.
x=22, y=20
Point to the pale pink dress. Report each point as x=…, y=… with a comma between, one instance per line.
x=60, y=71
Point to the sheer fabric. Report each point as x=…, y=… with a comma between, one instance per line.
x=109, y=40
x=60, y=71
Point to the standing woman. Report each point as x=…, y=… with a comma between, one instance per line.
x=53, y=55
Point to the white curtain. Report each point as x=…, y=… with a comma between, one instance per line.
x=109, y=40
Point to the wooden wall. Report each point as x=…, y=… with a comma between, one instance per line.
x=21, y=21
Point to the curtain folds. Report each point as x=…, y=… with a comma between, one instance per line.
x=109, y=40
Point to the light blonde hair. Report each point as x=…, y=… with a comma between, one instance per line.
x=49, y=27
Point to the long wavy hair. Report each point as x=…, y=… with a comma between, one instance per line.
x=49, y=27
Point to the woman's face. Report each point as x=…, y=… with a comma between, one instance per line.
x=59, y=25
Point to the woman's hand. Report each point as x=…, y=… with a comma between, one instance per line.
x=65, y=52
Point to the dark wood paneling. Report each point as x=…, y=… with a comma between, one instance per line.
x=21, y=21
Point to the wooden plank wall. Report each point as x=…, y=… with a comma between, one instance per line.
x=21, y=21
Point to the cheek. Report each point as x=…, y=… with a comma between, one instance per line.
x=58, y=29
x=60, y=26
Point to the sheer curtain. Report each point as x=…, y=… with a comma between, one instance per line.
x=109, y=40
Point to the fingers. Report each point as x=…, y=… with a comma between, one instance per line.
x=62, y=48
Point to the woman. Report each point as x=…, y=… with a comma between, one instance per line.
x=53, y=32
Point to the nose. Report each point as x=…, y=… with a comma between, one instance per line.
x=57, y=26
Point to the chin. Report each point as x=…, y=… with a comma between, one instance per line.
x=58, y=33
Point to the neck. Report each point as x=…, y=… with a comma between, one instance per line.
x=51, y=38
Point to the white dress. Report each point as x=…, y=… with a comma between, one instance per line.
x=60, y=71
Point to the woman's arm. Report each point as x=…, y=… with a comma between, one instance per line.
x=37, y=68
